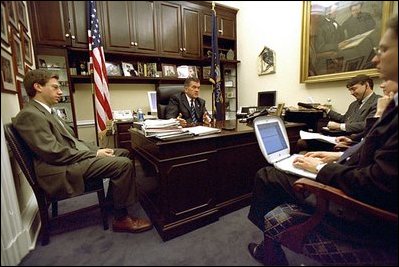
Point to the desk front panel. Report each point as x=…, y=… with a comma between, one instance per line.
x=194, y=181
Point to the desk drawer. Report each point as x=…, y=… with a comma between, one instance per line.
x=121, y=128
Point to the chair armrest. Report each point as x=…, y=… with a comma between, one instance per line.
x=339, y=197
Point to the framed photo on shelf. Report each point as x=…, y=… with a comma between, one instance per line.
x=206, y=72
x=182, y=71
x=26, y=47
x=192, y=72
x=169, y=70
x=113, y=69
x=129, y=70
x=7, y=73
x=62, y=113
x=18, y=55
x=4, y=23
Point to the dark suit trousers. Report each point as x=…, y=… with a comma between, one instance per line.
x=120, y=170
x=271, y=189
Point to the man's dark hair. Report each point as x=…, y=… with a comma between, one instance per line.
x=189, y=80
x=393, y=24
x=40, y=76
x=362, y=79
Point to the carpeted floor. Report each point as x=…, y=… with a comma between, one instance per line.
x=222, y=243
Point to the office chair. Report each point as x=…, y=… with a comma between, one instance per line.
x=24, y=157
x=327, y=238
x=164, y=92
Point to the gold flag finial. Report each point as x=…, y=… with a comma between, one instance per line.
x=213, y=5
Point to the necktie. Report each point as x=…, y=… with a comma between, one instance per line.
x=79, y=145
x=193, y=116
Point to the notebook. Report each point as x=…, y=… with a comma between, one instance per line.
x=273, y=142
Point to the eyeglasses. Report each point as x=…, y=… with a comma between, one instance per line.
x=378, y=51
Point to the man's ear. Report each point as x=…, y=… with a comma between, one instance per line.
x=37, y=87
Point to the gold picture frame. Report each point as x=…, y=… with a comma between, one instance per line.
x=323, y=63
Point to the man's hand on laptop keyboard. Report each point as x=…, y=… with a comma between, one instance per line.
x=307, y=163
x=324, y=156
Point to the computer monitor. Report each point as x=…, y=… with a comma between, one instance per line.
x=152, y=99
x=266, y=99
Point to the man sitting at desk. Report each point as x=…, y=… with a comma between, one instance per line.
x=187, y=106
x=353, y=121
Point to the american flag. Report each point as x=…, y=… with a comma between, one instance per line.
x=215, y=71
x=102, y=96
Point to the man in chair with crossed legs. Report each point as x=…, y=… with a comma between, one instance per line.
x=63, y=163
x=187, y=107
x=367, y=172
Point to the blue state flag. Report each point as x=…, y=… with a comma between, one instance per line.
x=215, y=72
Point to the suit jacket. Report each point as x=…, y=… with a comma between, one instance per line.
x=178, y=103
x=58, y=165
x=371, y=174
x=355, y=118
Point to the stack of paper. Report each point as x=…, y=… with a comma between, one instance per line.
x=203, y=130
x=320, y=137
x=155, y=127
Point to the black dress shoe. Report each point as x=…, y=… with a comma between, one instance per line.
x=256, y=251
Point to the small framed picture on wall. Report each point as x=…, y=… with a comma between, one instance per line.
x=7, y=73
x=26, y=47
x=4, y=23
x=18, y=55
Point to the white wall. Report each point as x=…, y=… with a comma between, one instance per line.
x=278, y=25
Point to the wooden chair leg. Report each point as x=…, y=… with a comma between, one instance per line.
x=54, y=209
x=102, y=203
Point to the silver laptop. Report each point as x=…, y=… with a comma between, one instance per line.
x=274, y=144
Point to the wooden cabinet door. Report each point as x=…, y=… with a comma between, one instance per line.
x=144, y=25
x=191, y=35
x=169, y=25
x=50, y=28
x=227, y=27
x=118, y=29
x=78, y=23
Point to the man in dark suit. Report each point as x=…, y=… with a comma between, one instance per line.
x=63, y=163
x=369, y=173
x=353, y=121
x=187, y=106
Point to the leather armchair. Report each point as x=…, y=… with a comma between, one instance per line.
x=164, y=92
x=327, y=238
x=24, y=156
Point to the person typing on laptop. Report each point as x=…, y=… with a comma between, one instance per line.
x=367, y=172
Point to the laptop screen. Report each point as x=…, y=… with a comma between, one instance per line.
x=272, y=137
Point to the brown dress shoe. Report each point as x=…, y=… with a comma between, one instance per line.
x=132, y=225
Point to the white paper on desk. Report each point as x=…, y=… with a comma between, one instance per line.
x=325, y=138
x=203, y=130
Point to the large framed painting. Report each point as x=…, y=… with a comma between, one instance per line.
x=338, y=38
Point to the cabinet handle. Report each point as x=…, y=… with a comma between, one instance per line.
x=73, y=37
x=181, y=49
x=184, y=49
x=136, y=44
x=67, y=35
x=132, y=43
x=220, y=31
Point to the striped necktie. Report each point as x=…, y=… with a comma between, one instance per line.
x=193, y=116
x=78, y=144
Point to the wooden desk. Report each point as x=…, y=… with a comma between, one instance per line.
x=197, y=180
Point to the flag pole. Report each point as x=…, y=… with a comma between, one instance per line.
x=213, y=84
x=93, y=97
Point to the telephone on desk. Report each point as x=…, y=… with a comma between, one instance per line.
x=254, y=115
